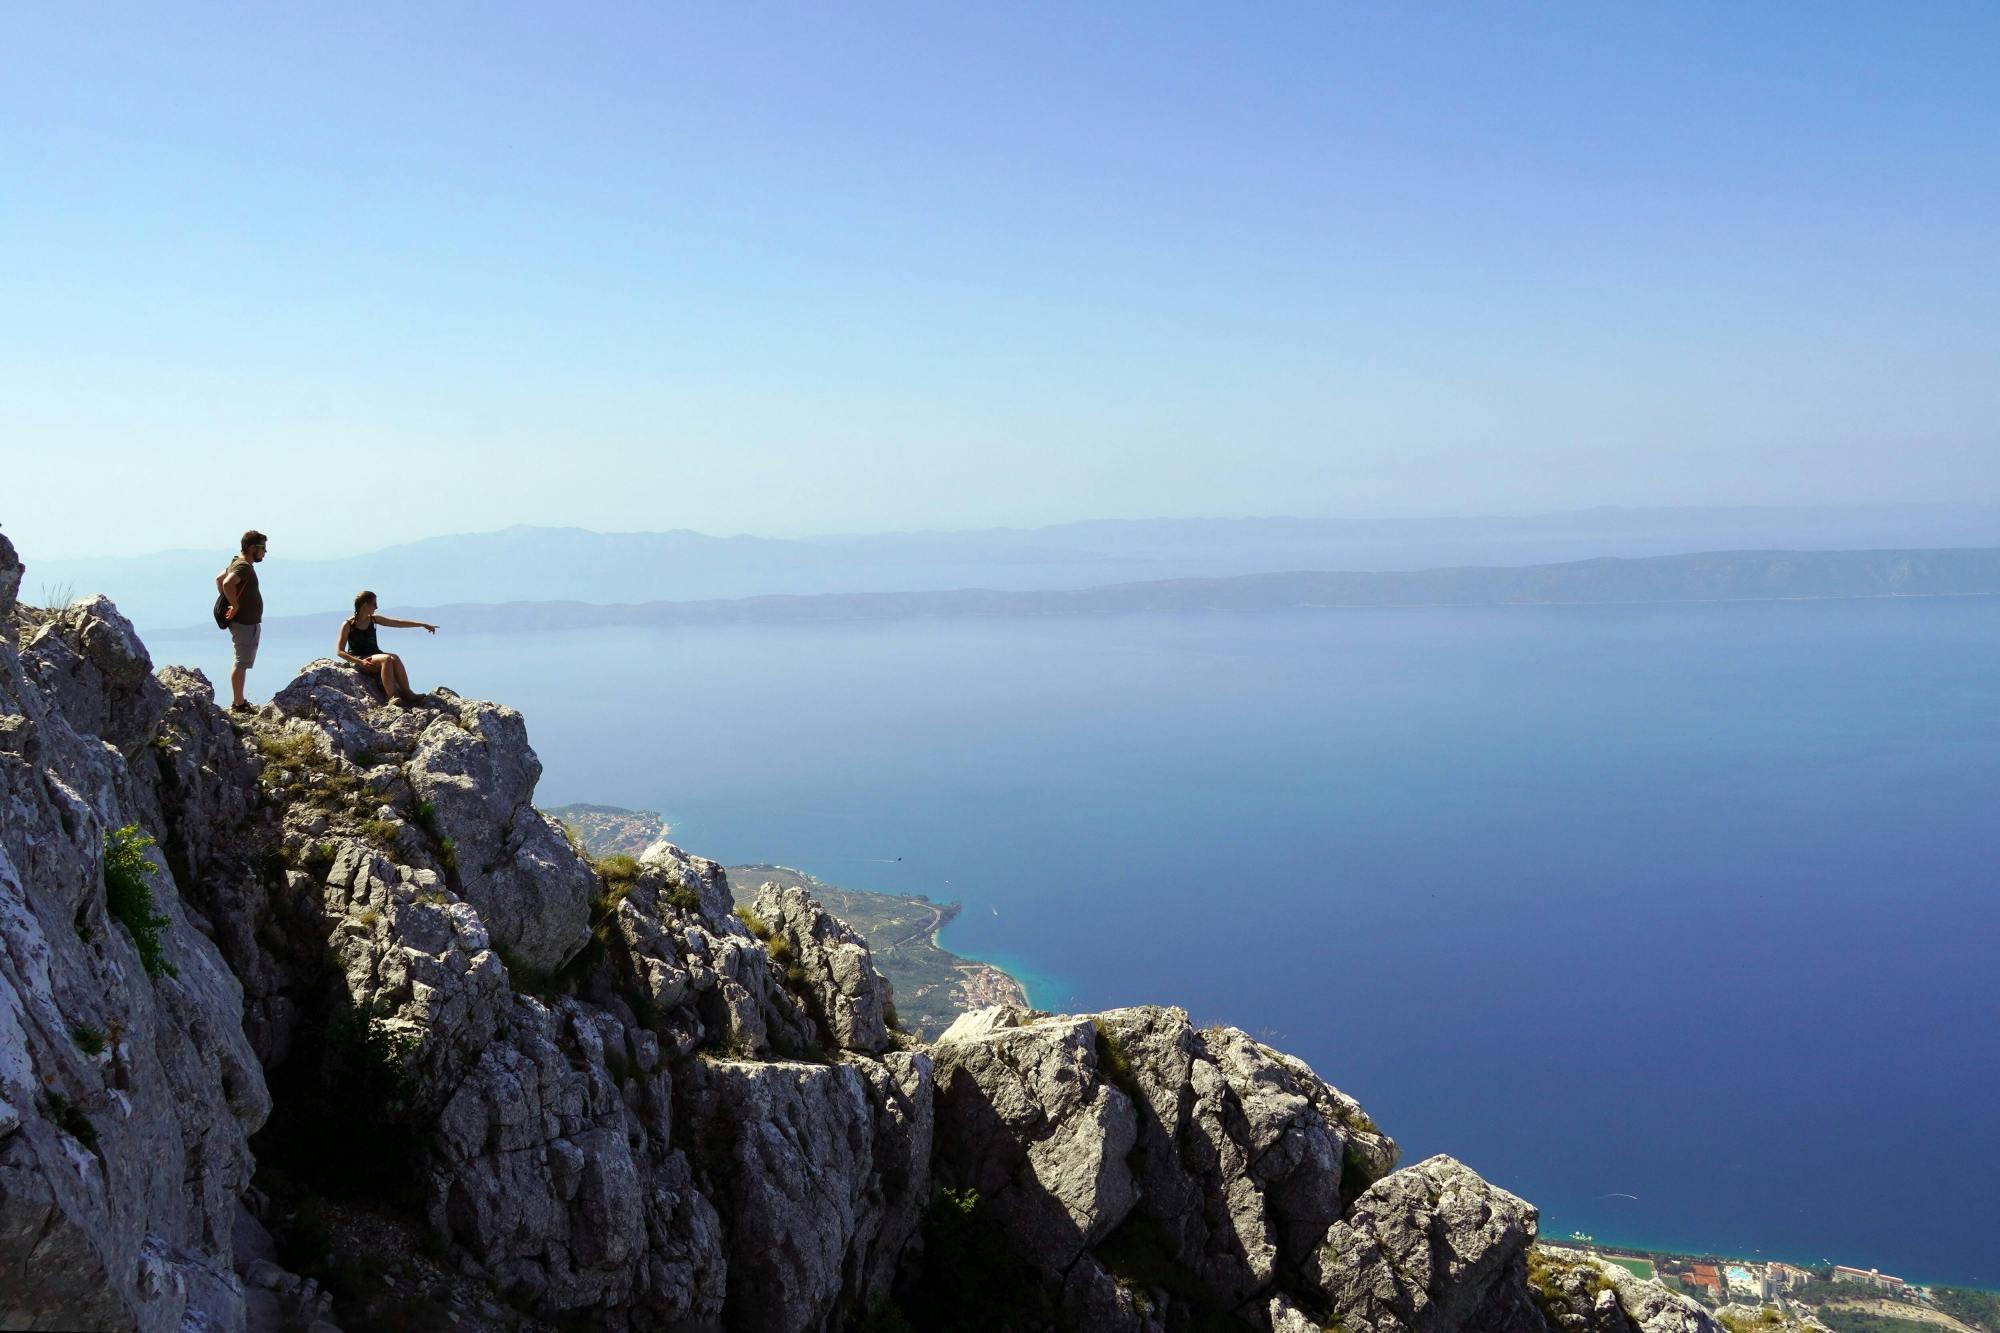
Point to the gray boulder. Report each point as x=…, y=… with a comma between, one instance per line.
x=820, y=1173
x=552, y=1170
x=1028, y=1117
x=531, y=888
x=829, y=968
x=470, y=775
x=1430, y=1249
x=91, y=667
x=1241, y=1149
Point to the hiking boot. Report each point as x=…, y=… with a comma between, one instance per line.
x=242, y=708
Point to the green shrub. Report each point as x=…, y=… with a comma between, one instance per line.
x=971, y=1278
x=343, y=1114
x=1356, y=1175
x=682, y=898
x=754, y=923
x=1113, y=1065
x=88, y=1039
x=320, y=856
x=448, y=854
x=425, y=817
x=69, y=1118
x=128, y=899
x=381, y=832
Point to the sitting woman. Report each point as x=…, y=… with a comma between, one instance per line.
x=357, y=644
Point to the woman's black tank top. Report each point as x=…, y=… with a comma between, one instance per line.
x=361, y=642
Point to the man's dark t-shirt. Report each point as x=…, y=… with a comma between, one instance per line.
x=249, y=601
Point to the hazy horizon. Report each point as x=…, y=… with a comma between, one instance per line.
x=790, y=272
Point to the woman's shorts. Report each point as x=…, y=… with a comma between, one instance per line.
x=243, y=638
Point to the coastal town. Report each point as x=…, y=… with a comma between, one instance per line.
x=1747, y=1294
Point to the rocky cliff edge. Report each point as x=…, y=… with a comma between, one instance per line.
x=334, y=952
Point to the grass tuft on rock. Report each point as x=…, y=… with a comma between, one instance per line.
x=755, y=924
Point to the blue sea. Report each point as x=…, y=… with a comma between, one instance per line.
x=1679, y=921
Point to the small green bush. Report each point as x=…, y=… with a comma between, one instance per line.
x=425, y=817
x=1113, y=1065
x=88, y=1039
x=69, y=1118
x=320, y=856
x=682, y=898
x=971, y=1278
x=448, y=854
x=381, y=832
x=128, y=899
x=754, y=923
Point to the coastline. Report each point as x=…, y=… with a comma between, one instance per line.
x=1556, y=1231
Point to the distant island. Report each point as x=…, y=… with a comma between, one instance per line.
x=933, y=985
x=1716, y=576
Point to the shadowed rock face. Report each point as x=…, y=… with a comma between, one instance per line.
x=622, y=1107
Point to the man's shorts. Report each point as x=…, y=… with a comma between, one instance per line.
x=243, y=638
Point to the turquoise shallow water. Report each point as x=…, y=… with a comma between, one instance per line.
x=1694, y=904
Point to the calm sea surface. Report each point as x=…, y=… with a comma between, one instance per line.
x=1680, y=922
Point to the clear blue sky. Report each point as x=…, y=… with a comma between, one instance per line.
x=355, y=273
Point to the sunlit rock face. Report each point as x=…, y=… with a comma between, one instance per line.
x=615, y=1102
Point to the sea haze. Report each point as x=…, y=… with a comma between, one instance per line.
x=1689, y=903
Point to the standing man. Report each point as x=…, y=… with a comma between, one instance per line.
x=238, y=586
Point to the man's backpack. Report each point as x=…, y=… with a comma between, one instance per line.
x=222, y=602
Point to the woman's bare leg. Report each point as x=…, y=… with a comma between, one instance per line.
x=403, y=690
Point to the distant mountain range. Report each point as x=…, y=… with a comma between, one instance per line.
x=572, y=564
x=1707, y=577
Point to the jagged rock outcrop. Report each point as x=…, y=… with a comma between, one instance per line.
x=1030, y=1120
x=1428, y=1249
x=821, y=1172
x=126, y=1096
x=603, y=1096
x=829, y=961
x=473, y=775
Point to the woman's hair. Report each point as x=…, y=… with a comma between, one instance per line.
x=363, y=596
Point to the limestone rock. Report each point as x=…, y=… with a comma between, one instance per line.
x=1029, y=1119
x=127, y=1097
x=473, y=774
x=1430, y=1249
x=830, y=968
x=1241, y=1150
x=89, y=664
x=532, y=889
x=1093, y=1299
x=552, y=1169
x=820, y=1173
